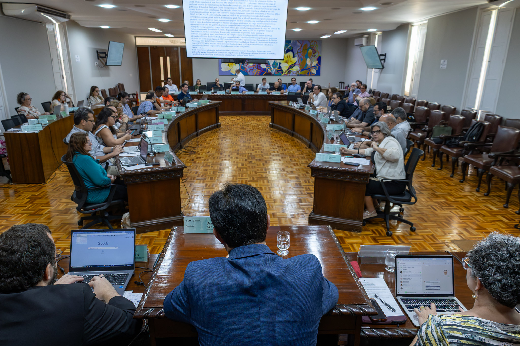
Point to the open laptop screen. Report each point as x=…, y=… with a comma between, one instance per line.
x=424, y=276
x=105, y=250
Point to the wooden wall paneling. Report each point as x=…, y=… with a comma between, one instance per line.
x=25, y=160
x=186, y=67
x=188, y=127
x=317, y=136
x=147, y=194
x=143, y=61
x=206, y=118
x=173, y=135
x=302, y=126
x=283, y=119
x=156, y=53
x=173, y=73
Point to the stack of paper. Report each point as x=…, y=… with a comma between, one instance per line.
x=133, y=297
x=385, y=299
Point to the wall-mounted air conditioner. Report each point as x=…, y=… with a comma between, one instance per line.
x=35, y=13
x=362, y=41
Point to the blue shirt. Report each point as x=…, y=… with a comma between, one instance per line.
x=241, y=89
x=351, y=95
x=127, y=110
x=145, y=107
x=294, y=88
x=254, y=297
x=182, y=95
x=94, y=176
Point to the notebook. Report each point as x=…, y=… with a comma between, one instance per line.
x=422, y=280
x=107, y=252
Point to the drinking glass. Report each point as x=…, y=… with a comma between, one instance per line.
x=283, y=241
x=390, y=260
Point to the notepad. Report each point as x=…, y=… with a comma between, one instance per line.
x=378, y=286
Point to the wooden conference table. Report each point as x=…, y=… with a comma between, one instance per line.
x=235, y=104
x=181, y=249
x=339, y=189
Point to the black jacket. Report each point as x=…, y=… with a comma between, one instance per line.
x=64, y=315
x=345, y=109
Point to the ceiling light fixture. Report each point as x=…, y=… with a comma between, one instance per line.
x=368, y=8
x=168, y=35
x=104, y=27
x=302, y=8
x=340, y=32
x=372, y=30
x=164, y=20
x=296, y=29
x=505, y=3
x=154, y=30
x=313, y=21
x=107, y=5
x=171, y=6
x=325, y=36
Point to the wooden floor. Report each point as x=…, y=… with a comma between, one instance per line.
x=448, y=216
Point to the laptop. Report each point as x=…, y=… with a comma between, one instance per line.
x=80, y=103
x=100, y=251
x=344, y=139
x=137, y=160
x=422, y=280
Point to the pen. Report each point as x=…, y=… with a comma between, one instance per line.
x=386, y=304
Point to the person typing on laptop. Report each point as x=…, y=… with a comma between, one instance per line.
x=38, y=310
x=494, y=277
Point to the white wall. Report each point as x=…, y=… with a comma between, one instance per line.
x=394, y=43
x=506, y=106
x=355, y=67
x=26, y=61
x=332, y=67
x=448, y=38
x=84, y=42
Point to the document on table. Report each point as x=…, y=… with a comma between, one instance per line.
x=133, y=297
x=135, y=168
x=132, y=149
x=134, y=140
x=361, y=161
x=378, y=286
x=130, y=153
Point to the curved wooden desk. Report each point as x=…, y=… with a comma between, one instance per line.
x=34, y=157
x=339, y=189
x=250, y=104
x=154, y=193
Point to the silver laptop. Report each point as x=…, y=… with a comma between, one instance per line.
x=80, y=103
x=422, y=280
x=57, y=110
x=108, y=252
x=137, y=160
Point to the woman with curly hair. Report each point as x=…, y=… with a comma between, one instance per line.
x=493, y=274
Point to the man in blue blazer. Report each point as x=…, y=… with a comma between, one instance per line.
x=253, y=296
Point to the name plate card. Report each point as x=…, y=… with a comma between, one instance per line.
x=156, y=133
x=262, y=92
x=307, y=107
x=43, y=121
x=198, y=224
x=207, y=92
x=64, y=114
x=50, y=117
x=153, y=140
x=159, y=121
x=235, y=92
x=32, y=121
x=332, y=147
x=32, y=128
x=276, y=93
x=167, y=116
x=156, y=127
x=221, y=92
x=250, y=92
x=324, y=119
x=168, y=157
x=204, y=102
x=181, y=109
x=335, y=127
x=192, y=105
x=161, y=148
x=313, y=112
x=323, y=157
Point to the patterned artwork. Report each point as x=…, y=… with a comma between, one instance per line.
x=301, y=58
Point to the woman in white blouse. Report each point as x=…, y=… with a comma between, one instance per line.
x=389, y=162
x=95, y=99
x=30, y=112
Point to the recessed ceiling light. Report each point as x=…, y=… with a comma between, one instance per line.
x=372, y=30
x=171, y=6
x=303, y=8
x=368, y=8
x=313, y=21
x=340, y=32
x=164, y=20
x=168, y=35
x=387, y=3
x=107, y=5
x=104, y=27
x=296, y=29
x=325, y=36
x=154, y=29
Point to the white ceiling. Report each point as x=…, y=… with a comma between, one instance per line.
x=135, y=16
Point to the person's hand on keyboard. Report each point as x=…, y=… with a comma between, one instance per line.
x=68, y=279
x=424, y=312
x=103, y=289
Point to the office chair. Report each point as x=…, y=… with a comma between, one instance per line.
x=16, y=109
x=5, y=172
x=98, y=212
x=46, y=106
x=8, y=124
x=17, y=121
x=23, y=118
x=405, y=198
x=135, y=109
x=409, y=145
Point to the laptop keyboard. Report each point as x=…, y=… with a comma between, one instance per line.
x=134, y=160
x=442, y=304
x=114, y=279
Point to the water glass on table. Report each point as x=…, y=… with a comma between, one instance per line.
x=390, y=260
x=283, y=242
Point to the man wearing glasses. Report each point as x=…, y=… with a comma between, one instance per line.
x=294, y=88
x=363, y=116
x=84, y=122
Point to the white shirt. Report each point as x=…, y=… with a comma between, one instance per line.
x=172, y=88
x=263, y=87
x=240, y=77
x=320, y=100
x=390, y=165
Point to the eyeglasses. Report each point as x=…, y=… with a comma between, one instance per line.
x=92, y=121
x=375, y=132
x=465, y=263
x=30, y=99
